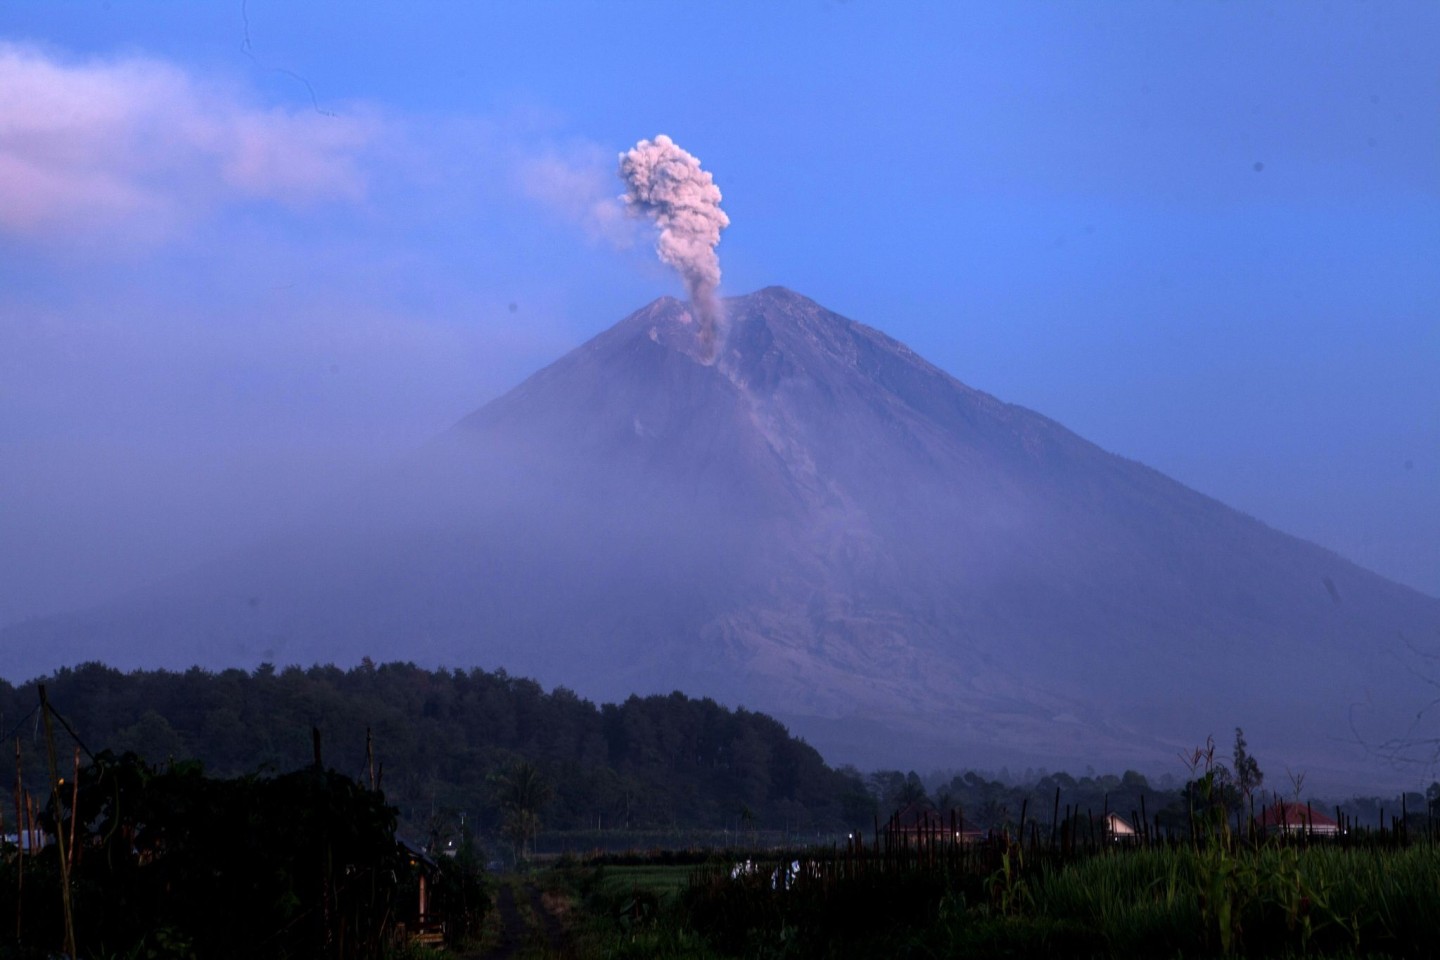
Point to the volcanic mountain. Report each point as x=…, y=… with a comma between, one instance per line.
x=819, y=524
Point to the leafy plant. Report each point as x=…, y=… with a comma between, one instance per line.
x=1007, y=888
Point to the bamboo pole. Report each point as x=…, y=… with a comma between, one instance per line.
x=59, y=825
x=21, y=841
x=32, y=822
x=370, y=756
x=74, y=806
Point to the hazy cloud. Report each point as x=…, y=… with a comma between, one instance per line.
x=577, y=184
x=141, y=146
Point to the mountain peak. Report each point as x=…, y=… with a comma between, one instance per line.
x=924, y=547
x=777, y=293
x=820, y=524
x=747, y=326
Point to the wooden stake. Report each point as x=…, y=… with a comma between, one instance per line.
x=21, y=841
x=59, y=825
x=32, y=822
x=370, y=756
x=74, y=806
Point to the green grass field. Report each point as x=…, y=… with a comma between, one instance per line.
x=1270, y=901
x=663, y=882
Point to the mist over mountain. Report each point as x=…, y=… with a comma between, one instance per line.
x=816, y=523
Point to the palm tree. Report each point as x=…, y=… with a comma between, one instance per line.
x=522, y=792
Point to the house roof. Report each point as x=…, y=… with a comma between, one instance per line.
x=917, y=813
x=1290, y=814
x=417, y=854
x=1118, y=823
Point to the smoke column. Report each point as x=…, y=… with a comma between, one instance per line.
x=666, y=184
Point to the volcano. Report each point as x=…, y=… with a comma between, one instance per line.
x=814, y=522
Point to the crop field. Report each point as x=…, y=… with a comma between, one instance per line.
x=664, y=882
x=1366, y=894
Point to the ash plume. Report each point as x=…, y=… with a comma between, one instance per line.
x=666, y=184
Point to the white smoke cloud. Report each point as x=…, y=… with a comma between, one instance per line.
x=666, y=184
x=143, y=146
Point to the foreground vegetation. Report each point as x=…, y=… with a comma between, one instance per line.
x=783, y=856
x=1273, y=900
x=927, y=888
x=127, y=860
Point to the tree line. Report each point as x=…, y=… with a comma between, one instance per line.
x=448, y=744
x=504, y=757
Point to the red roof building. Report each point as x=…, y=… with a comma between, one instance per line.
x=1286, y=818
x=917, y=823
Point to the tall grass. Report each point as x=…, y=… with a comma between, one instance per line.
x=1141, y=901
x=1180, y=901
x=1392, y=896
x=1283, y=900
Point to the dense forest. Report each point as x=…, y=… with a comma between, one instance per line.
x=448, y=747
x=446, y=743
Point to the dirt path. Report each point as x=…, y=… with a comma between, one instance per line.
x=515, y=932
x=512, y=926
x=549, y=923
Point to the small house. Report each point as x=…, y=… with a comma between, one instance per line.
x=417, y=921
x=1117, y=828
x=1283, y=818
x=26, y=842
x=919, y=824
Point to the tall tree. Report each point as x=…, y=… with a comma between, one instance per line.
x=1248, y=776
x=522, y=792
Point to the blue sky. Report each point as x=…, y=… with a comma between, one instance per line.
x=249, y=248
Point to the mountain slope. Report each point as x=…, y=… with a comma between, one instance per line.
x=822, y=525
